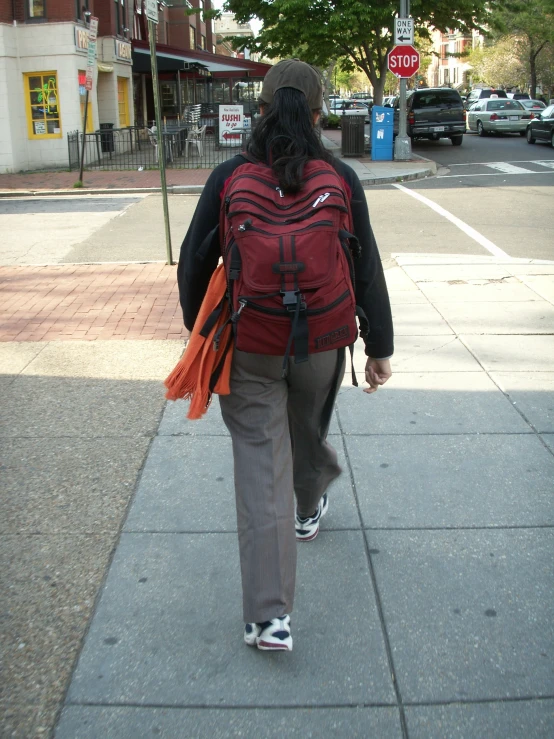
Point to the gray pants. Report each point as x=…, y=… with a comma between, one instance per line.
x=278, y=428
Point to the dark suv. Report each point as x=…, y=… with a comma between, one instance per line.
x=485, y=92
x=434, y=113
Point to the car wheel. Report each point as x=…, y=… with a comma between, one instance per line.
x=480, y=130
x=457, y=140
x=530, y=137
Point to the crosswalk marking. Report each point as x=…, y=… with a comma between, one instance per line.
x=509, y=168
x=546, y=164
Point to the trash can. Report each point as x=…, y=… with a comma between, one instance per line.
x=352, y=135
x=382, y=126
x=106, y=136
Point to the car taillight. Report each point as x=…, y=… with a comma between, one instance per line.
x=411, y=118
x=464, y=115
x=494, y=117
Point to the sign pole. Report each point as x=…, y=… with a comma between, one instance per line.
x=402, y=143
x=91, y=59
x=159, y=134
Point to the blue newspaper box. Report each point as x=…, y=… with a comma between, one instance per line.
x=382, y=126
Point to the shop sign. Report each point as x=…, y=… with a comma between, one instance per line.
x=122, y=50
x=40, y=128
x=81, y=39
x=230, y=125
x=152, y=10
x=91, y=52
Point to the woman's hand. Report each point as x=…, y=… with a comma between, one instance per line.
x=377, y=372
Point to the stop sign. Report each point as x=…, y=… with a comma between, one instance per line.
x=404, y=61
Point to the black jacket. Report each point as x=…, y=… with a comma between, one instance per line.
x=199, y=257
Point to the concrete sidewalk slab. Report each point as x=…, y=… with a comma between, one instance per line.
x=532, y=393
x=431, y=403
x=177, y=500
x=498, y=720
x=468, y=614
x=536, y=317
x=425, y=353
x=452, y=482
x=419, y=320
x=512, y=353
x=90, y=722
x=142, y=648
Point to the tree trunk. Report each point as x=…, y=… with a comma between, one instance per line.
x=533, y=70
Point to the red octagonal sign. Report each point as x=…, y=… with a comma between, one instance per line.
x=404, y=61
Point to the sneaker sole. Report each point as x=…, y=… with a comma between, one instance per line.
x=267, y=646
x=311, y=537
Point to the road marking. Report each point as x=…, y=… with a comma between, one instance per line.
x=546, y=164
x=509, y=168
x=484, y=174
x=513, y=161
x=468, y=230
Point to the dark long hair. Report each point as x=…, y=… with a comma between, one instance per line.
x=285, y=138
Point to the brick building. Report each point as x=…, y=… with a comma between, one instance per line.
x=43, y=55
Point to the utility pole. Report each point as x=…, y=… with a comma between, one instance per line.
x=402, y=143
x=152, y=15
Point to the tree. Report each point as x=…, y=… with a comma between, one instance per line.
x=531, y=24
x=358, y=30
x=501, y=64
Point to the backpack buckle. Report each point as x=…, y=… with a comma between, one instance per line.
x=291, y=298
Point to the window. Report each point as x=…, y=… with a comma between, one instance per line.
x=36, y=9
x=192, y=32
x=80, y=7
x=42, y=103
x=123, y=101
x=120, y=13
x=203, y=42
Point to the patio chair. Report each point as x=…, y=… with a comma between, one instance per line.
x=195, y=138
x=153, y=138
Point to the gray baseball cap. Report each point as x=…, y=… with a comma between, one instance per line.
x=296, y=74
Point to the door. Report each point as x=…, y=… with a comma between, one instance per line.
x=123, y=101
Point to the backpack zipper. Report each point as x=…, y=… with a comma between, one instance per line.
x=281, y=208
x=245, y=302
x=247, y=226
x=284, y=222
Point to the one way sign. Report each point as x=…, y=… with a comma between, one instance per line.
x=404, y=31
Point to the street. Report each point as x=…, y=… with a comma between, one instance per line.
x=498, y=191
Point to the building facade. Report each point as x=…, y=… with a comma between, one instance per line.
x=43, y=58
x=449, y=68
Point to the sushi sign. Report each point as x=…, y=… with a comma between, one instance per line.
x=231, y=124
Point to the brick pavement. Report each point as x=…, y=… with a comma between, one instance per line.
x=88, y=302
x=102, y=180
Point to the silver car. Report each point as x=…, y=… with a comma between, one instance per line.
x=498, y=115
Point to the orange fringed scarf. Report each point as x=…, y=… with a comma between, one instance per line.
x=204, y=368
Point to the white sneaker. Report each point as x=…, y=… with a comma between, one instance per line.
x=270, y=635
x=308, y=528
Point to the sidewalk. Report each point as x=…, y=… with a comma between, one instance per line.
x=191, y=180
x=424, y=608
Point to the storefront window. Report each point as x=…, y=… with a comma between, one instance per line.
x=42, y=103
x=36, y=8
x=168, y=95
x=201, y=92
x=246, y=92
x=187, y=92
x=220, y=89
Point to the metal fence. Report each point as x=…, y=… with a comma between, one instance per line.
x=136, y=147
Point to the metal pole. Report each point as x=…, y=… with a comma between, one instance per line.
x=161, y=149
x=84, y=139
x=402, y=143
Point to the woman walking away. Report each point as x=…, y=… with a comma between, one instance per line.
x=292, y=225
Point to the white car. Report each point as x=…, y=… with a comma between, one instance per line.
x=349, y=107
x=500, y=115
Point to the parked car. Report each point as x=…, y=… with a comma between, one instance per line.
x=485, y=92
x=349, y=107
x=364, y=96
x=434, y=113
x=389, y=101
x=541, y=128
x=535, y=106
x=498, y=116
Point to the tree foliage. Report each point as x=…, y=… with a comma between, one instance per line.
x=360, y=31
x=530, y=25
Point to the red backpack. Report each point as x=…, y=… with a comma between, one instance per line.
x=288, y=262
